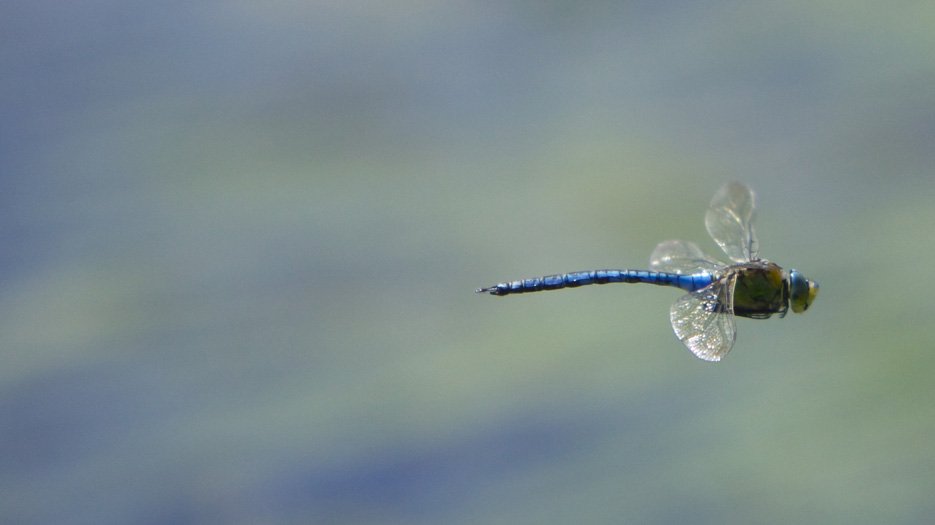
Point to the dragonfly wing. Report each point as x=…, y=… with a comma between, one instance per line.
x=730, y=221
x=682, y=257
x=704, y=320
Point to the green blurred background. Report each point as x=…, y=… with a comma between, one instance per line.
x=241, y=241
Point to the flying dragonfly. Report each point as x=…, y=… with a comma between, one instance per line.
x=704, y=318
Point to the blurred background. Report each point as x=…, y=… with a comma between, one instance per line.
x=241, y=241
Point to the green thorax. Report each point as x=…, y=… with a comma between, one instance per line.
x=760, y=290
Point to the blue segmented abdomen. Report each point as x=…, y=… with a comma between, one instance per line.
x=687, y=282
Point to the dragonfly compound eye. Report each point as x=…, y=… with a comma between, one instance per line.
x=802, y=292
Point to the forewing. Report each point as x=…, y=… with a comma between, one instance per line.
x=730, y=221
x=682, y=257
x=704, y=320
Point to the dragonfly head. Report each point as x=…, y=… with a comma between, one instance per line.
x=802, y=292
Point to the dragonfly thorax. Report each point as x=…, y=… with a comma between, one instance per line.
x=760, y=290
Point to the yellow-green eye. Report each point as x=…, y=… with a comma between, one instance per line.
x=802, y=292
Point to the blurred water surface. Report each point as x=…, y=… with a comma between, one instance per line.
x=242, y=238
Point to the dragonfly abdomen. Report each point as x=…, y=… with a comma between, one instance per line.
x=686, y=282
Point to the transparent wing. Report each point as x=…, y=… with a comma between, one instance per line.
x=704, y=320
x=682, y=257
x=730, y=222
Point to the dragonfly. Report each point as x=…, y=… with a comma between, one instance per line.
x=718, y=292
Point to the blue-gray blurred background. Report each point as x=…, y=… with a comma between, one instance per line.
x=240, y=243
